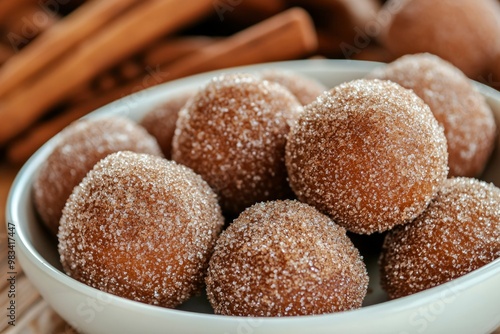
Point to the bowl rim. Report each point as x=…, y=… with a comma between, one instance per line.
x=21, y=186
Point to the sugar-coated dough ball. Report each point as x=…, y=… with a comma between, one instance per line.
x=140, y=227
x=464, y=32
x=81, y=145
x=160, y=122
x=233, y=133
x=304, y=88
x=458, y=233
x=469, y=125
x=369, y=153
x=285, y=258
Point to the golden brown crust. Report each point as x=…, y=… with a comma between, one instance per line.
x=140, y=227
x=285, y=258
x=458, y=233
x=160, y=122
x=469, y=125
x=369, y=153
x=81, y=145
x=233, y=133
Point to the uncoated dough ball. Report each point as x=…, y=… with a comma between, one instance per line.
x=464, y=32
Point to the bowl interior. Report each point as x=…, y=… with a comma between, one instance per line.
x=41, y=249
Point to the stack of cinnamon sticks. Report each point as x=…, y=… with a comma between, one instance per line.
x=104, y=50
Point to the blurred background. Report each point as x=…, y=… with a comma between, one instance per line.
x=61, y=59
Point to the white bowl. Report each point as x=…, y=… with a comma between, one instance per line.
x=469, y=304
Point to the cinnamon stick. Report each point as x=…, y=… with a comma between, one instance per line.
x=121, y=38
x=26, y=23
x=340, y=22
x=165, y=52
x=63, y=36
x=267, y=7
x=161, y=53
x=246, y=12
x=7, y=7
x=5, y=53
x=123, y=72
x=287, y=35
x=21, y=149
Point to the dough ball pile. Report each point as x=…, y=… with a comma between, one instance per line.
x=369, y=153
x=140, y=227
x=305, y=180
x=160, y=122
x=284, y=258
x=305, y=89
x=81, y=146
x=468, y=122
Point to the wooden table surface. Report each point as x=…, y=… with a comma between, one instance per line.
x=33, y=314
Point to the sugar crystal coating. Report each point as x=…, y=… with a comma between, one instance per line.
x=233, y=133
x=160, y=122
x=81, y=145
x=303, y=87
x=140, y=227
x=369, y=153
x=468, y=122
x=284, y=258
x=458, y=233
